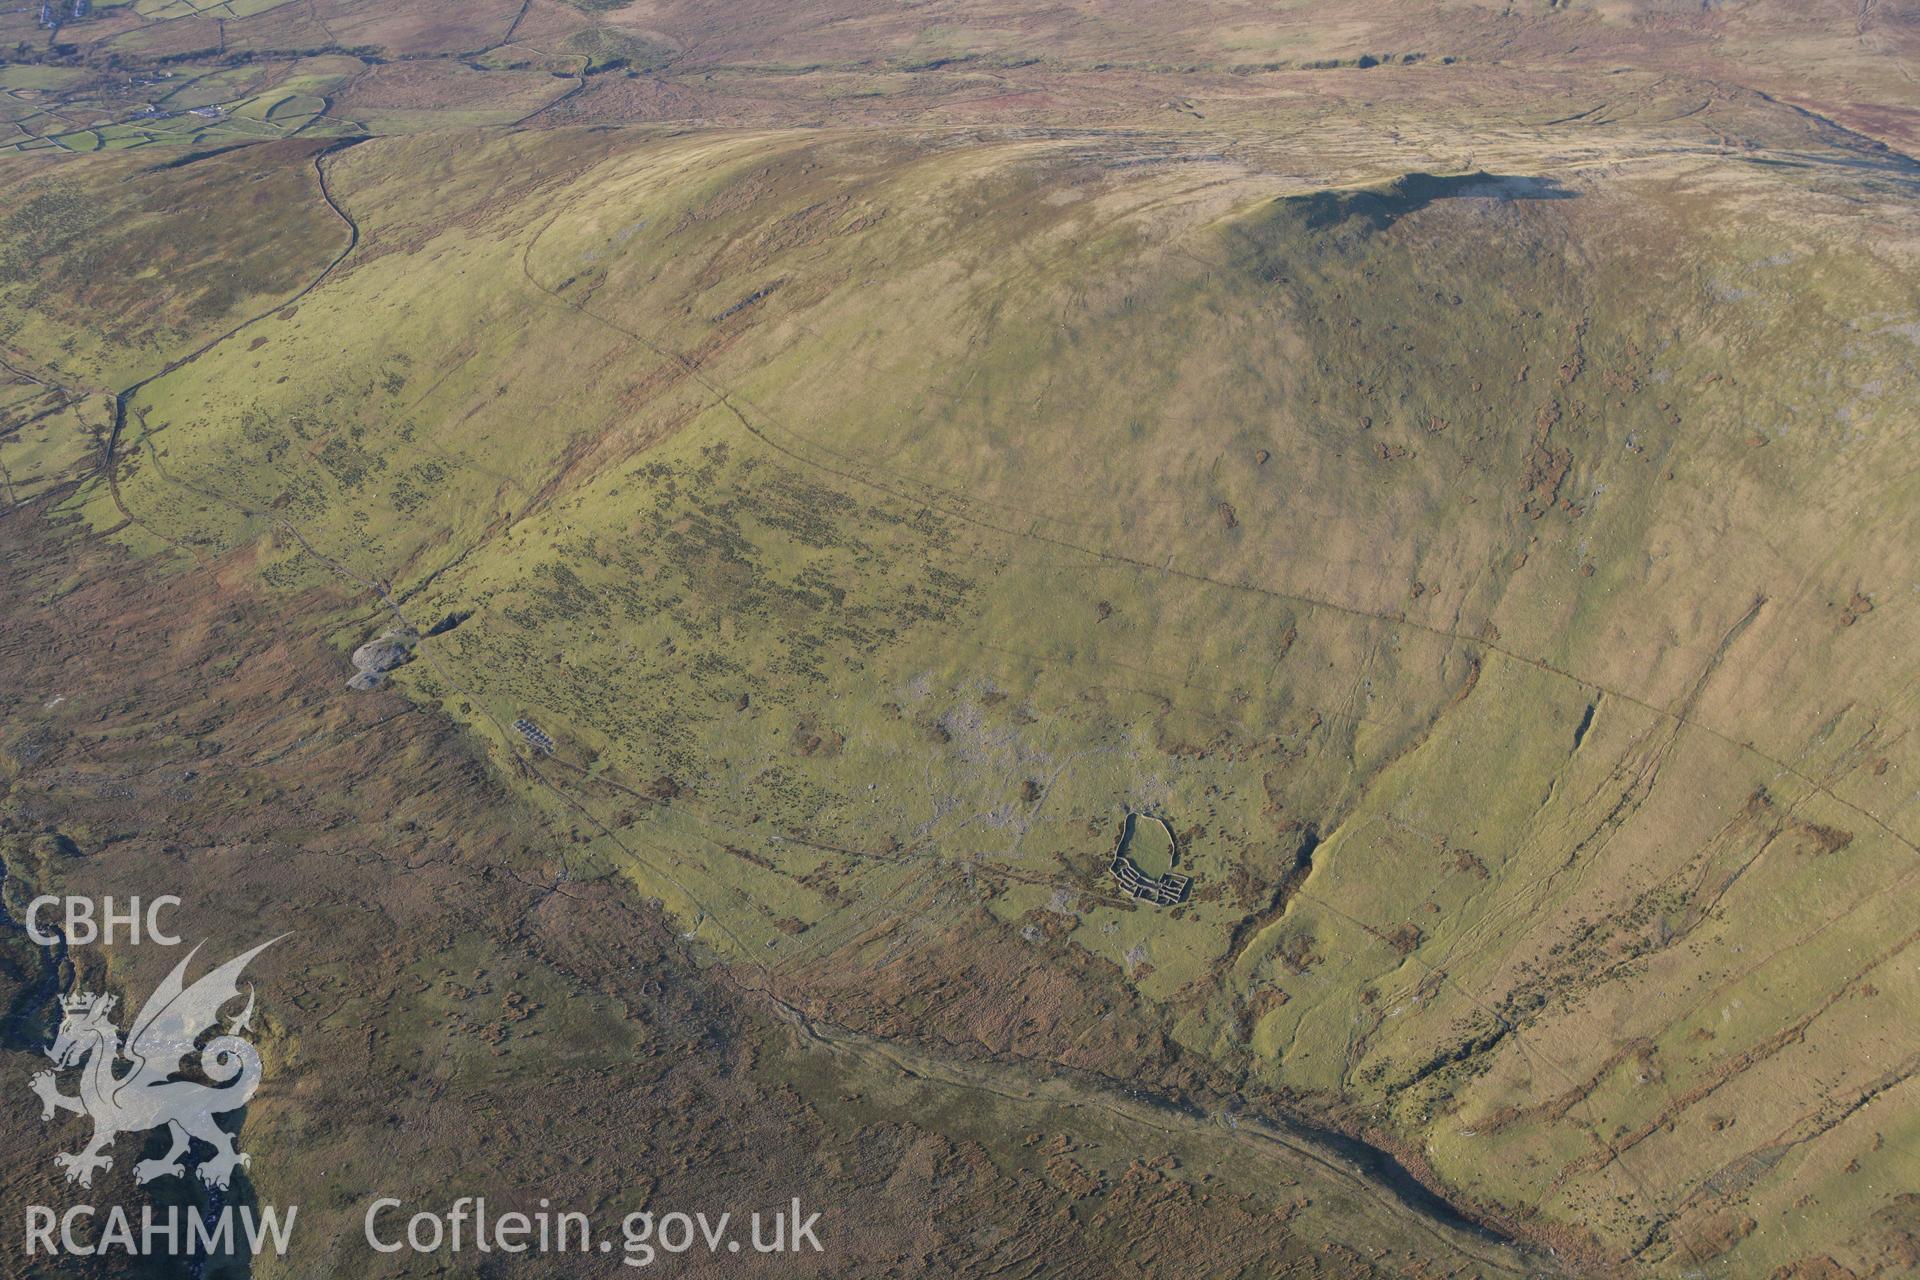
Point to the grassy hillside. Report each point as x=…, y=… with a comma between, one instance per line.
x=1489, y=575
x=1452, y=464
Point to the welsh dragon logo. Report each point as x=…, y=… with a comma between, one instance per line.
x=134, y=1087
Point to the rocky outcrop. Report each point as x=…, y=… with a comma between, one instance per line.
x=376, y=657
